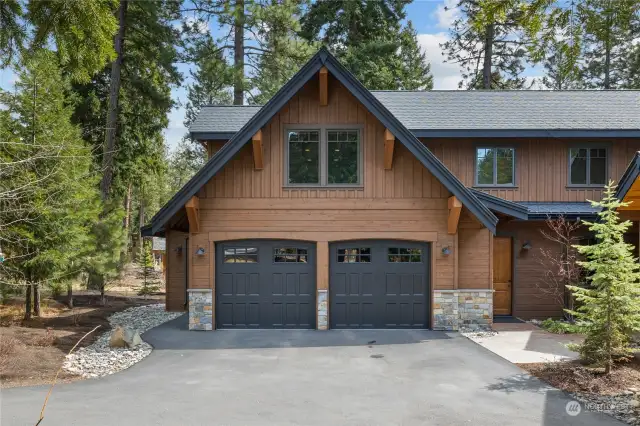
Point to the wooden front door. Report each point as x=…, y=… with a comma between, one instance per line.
x=502, y=253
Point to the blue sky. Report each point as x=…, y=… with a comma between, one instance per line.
x=429, y=18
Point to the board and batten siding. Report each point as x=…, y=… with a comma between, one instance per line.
x=541, y=172
x=406, y=202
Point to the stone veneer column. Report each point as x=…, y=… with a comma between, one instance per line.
x=200, y=309
x=453, y=309
x=322, y=310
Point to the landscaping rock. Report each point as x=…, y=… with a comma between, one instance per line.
x=622, y=407
x=117, y=338
x=101, y=359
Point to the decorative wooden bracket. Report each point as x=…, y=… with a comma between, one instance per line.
x=389, y=142
x=455, y=207
x=258, y=158
x=193, y=214
x=324, y=86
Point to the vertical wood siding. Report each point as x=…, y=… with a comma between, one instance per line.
x=541, y=166
x=175, y=272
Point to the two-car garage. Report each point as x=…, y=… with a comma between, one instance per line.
x=272, y=284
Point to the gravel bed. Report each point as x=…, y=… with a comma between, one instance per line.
x=476, y=334
x=624, y=406
x=98, y=359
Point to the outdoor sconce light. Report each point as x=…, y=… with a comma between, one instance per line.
x=178, y=250
x=200, y=251
x=526, y=246
x=446, y=251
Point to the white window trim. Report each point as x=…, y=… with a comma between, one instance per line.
x=495, y=168
x=323, y=146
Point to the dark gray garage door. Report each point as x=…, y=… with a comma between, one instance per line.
x=265, y=284
x=379, y=284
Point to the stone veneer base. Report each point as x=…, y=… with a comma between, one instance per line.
x=200, y=309
x=467, y=308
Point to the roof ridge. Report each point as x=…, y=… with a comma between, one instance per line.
x=510, y=91
x=232, y=106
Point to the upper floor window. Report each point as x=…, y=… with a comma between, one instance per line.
x=323, y=157
x=495, y=166
x=587, y=166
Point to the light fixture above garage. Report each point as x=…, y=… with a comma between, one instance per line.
x=200, y=251
x=446, y=250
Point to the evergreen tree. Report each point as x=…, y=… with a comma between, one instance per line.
x=608, y=27
x=610, y=305
x=184, y=162
x=47, y=173
x=278, y=25
x=488, y=43
x=561, y=71
x=370, y=39
x=80, y=32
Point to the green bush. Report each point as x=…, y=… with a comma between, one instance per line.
x=56, y=288
x=561, y=327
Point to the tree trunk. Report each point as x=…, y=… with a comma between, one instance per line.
x=36, y=300
x=607, y=56
x=70, y=296
x=127, y=211
x=488, y=56
x=27, y=303
x=112, y=114
x=238, y=54
x=141, y=224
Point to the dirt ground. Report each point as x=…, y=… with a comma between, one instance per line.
x=575, y=377
x=32, y=351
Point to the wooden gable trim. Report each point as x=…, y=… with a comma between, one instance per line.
x=389, y=143
x=193, y=214
x=258, y=155
x=455, y=207
x=324, y=86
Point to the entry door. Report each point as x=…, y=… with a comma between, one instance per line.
x=502, y=279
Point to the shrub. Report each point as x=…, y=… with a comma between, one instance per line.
x=561, y=327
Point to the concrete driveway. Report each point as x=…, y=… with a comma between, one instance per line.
x=278, y=377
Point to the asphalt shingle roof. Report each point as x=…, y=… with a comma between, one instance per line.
x=223, y=118
x=518, y=109
x=477, y=110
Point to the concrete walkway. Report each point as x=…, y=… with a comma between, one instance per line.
x=523, y=343
x=304, y=377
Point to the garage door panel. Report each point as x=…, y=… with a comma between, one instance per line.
x=379, y=284
x=265, y=284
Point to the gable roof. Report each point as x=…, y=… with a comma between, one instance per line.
x=280, y=99
x=629, y=177
x=495, y=113
x=503, y=206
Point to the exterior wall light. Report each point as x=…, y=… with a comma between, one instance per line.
x=527, y=246
x=446, y=251
x=200, y=251
x=178, y=250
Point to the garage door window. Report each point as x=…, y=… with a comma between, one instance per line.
x=354, y=255
x=404, y=255
x=240, y=255
x=290, y=255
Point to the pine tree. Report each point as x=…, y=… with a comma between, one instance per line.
x=371, y=41
x=278, y=25
x=52, y=199
x=608, y=37
x=610, y=305
x=487, y=42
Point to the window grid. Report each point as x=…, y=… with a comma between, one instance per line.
x=495, y=166
x=587, y=166
x=240, y=255
x=404, y=255
x=338, y=163
x=354, y=255
x=290, y=255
